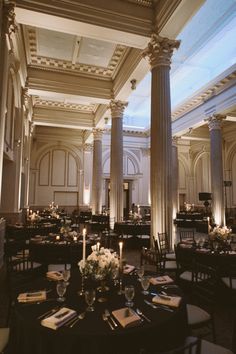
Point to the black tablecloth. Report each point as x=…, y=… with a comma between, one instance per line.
x=132, y=229
x=92, y=335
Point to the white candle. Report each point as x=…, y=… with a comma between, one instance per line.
x=121, y=248
x=98, y=246
x=57, y=237
x=75, y=238
x=208, y=224
x=84, y=244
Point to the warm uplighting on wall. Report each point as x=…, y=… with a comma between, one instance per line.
x=87, y=195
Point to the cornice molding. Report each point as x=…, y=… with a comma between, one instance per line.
x=213, y=90
x=91, y=108
x=163, y=11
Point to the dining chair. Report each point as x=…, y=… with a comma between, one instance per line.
x=200, y=312
x=165, y=247
x=152, y=256
x=189, y=347
x=184, y=261
x=4, y=337
x=186, y=235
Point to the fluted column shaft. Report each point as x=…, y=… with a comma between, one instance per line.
x=97, y=173
x=175, y=178
x=217, y=182
x=8, y=26
x=159, y=52
x=116, y=168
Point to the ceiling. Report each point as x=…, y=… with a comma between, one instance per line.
x=75, y=70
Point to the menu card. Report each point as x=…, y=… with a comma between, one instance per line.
x=164, y=279
x=172, y=301
x=127, y=317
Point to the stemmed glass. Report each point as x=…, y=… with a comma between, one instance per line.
x=115, y=276
x=129, y=295
x=66, y=275
x=140, y=272
x=90, y=296
x=61, y=289
x=145, y=282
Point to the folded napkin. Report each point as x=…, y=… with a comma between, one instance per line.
x=172, y=301
x=232, y=252
x=185, y=245
x=54, y=275
x=127, y=317
x=128, y=268
x=164, y=279
x=32, y=296
x=203, y=250
x=59, y=318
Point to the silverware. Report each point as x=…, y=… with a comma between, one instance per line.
x=150, y=304
x=160, y=306
x=105, y=318
x=80, y=317
x=48, y=313
x=107, y=313
x=140, y=313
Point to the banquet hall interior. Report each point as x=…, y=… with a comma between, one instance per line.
x=117, y=176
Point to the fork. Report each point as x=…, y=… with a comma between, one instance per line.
x=105, y=318
x=140, y=313
x=107, y=313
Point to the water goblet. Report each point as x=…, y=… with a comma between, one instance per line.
x=90, y=296
x=145, y=282
x=66, y=275
x=61, y=289
x=201, y=242
x=115, y=275
x=140, y=272
x=129, y=295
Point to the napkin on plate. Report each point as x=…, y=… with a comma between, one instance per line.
x=33, y=296
x=54, y=275
x=128, y=268
x=164, y=279
x=172, y=301
x=127, y=317
x=59, y=318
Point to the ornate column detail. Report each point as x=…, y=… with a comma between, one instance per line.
x=217, y=182
x=116, y=168
x=159, y=52
x=97, y=172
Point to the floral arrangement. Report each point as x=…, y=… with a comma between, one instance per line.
x=65, y=229
x=100, y=263
x=220, y=233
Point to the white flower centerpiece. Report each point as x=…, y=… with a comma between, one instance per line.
x=100, y=264
x=220, y=233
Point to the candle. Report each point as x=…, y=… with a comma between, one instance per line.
x=208, y=224
x=98, y=246
x=57, y=237
x=121, y=248
x=84, y=245
x=75, y=238
x=31, y=211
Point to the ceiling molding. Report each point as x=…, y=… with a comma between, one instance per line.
x=76, y=84
x=39, y=102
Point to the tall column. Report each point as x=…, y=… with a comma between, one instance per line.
x=87, y=174
x=116, y=168
x=217, y=183
x=175, y=185
x=8, y=27
x=159, y=52
x=97, y=172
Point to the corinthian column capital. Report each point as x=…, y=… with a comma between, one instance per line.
x=87, y=147
x=175, y=140
x=9, y=18
x=215, y=122
x=97, y=134
x=117, y=108
x=159, y=50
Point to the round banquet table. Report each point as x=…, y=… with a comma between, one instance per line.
x=92, y=335
x=123, y=228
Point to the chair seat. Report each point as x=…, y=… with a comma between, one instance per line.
x=187, y=276
x=226, y=281
x=196, y=315
x=4, y=337
x=170, y=265
x=208, y=347
x=170, y=256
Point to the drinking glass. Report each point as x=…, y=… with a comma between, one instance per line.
x=90, y=296
x=61, y=289
x=145, y=282
x=201, y=242
x=66, y=275
x=140, y=272
x=115, y=275
x=129, y=295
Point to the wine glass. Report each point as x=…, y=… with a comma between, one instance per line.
x=61, y=289
x=90, y=296
x=145, y=282
x=66, y=275
x=115, y=275
x=201, y=242
x=140, y=272
x=129, y=295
